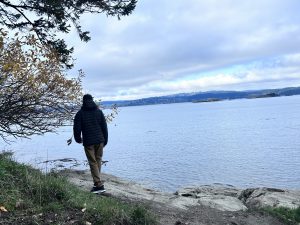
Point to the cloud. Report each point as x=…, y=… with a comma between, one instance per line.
x=276, y=73
x=158, y=48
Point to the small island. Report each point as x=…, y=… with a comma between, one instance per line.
x=268, y=95
x=208, y=100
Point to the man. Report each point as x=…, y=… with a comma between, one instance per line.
x=90, y=128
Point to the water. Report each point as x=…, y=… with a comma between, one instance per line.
x=246, y=143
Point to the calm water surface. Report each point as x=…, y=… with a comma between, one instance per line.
x=246, y=143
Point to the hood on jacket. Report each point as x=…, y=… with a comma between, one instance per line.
x=88, y=103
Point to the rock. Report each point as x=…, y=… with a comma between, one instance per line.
x=182, y=202
x=204, y=190
x=217, y=196
x=223, y=203
x=245, y=194
x=221, y=197
x=264, y=197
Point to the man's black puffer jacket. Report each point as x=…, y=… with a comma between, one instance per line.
x=91, y=122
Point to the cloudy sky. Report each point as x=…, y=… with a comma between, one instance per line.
x=177, y=46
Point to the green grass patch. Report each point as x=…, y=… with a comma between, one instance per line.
x=48, y=198
x=289, y=216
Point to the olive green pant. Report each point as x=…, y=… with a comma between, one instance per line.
x=94, y=155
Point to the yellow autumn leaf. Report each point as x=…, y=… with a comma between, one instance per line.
x=3, y=209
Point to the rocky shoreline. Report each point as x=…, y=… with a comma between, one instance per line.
x=217, y=198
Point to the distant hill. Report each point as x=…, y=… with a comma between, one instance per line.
x=206, y=97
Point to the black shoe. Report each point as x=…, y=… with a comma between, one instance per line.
x=97, y=190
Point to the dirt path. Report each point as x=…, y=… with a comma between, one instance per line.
x=180, y=208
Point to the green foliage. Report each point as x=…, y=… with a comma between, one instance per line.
x=46, y=18
x=25, y=189
x=289, y=216
x=141, y=216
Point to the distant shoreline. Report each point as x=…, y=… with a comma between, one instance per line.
x=268, y=95
x=210, y=96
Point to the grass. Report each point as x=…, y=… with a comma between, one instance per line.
x=289, y=216
x=32, y=197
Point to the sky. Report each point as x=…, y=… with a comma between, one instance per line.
x=166, y=47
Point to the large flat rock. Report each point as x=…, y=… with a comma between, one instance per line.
x=217, y=196
x=221, y=197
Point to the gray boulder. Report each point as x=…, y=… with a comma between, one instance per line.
x=270, y=197
x=221, y=197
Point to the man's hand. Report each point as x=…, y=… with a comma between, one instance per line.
x=104, y=162
x=69, y=141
